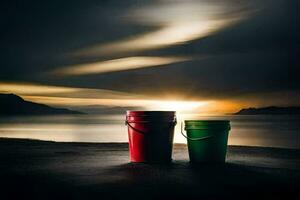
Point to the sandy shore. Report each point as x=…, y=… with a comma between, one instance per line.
x=32, y=169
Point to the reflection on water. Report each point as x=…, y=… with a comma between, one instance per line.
x=273, y=131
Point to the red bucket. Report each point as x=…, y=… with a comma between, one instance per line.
x=150, y=135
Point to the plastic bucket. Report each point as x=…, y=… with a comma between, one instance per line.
x=207, y=140
x=150, y=135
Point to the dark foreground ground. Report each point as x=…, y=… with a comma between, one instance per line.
x=48, y=170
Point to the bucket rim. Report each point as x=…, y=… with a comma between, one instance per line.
x=208, y=121
x=150, y=113
x=207, y=124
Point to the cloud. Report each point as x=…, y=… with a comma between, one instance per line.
x=172, y=34
x=42, y=90
x=117, y=65
x=29, y=88
x=177, y=22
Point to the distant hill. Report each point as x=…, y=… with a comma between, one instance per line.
x=11, y=104
x=271, y=110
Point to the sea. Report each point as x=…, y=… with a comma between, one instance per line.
x=247, y=130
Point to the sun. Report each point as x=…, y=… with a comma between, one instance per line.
x=179, y=106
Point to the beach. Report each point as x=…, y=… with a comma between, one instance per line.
x=33, y=169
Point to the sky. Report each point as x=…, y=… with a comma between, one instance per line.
x=204, y=56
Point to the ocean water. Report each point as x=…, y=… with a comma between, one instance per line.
x=260, y=130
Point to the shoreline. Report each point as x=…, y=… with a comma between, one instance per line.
x=9, y=139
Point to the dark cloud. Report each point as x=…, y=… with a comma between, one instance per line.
x=257, y=55
x=36, y=36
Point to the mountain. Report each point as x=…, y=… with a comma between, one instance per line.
x=11, y=104
x=271, y=110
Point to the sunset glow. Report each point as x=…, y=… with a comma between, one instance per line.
x=179, y=106
x=80, y=97
x=148, y=104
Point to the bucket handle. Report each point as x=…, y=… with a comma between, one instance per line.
x=127, y=123
x=193, y=139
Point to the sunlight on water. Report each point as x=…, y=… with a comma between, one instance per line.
x=272, y=131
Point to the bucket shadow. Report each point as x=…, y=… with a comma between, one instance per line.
x=181, y=179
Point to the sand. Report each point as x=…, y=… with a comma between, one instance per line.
x=32, y=169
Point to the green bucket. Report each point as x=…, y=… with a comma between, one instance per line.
x=207, y=140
